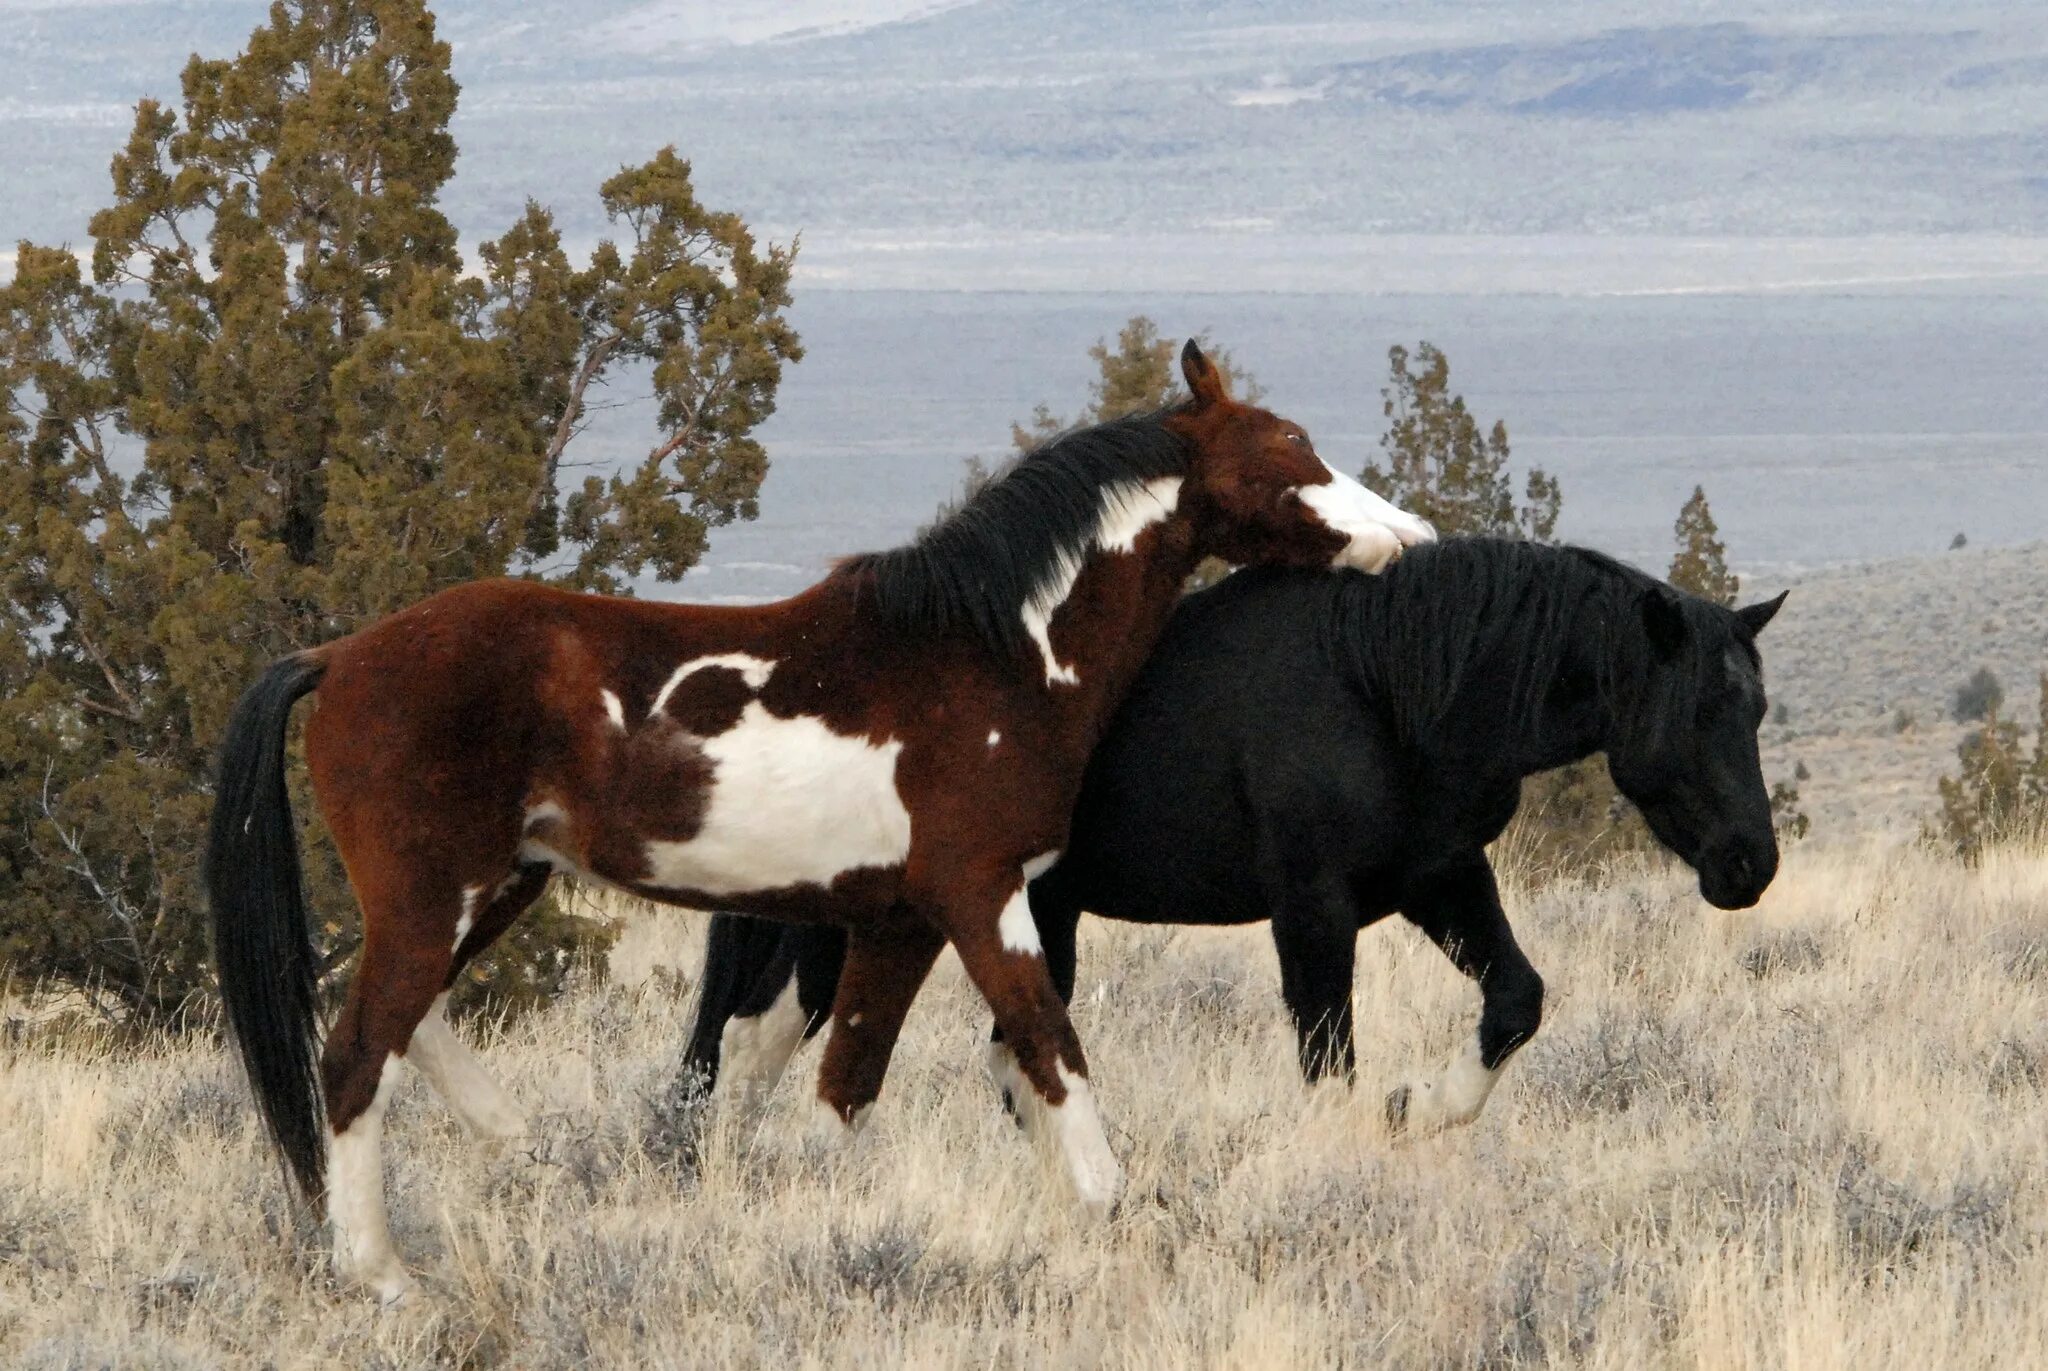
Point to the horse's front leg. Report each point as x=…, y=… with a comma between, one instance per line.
x=1461, y=913
x=990, y=923
x=883, y=969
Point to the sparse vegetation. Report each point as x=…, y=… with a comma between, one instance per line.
x=1804, y=1135
x=2001, y=793
x=1978, y=698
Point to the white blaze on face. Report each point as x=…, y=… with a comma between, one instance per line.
x=355, y=1198
x=1377, y=529
x=1127, y=511
x=789, y=802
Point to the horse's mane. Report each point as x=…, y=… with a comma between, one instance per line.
x=975, y=570
x=1414, y=635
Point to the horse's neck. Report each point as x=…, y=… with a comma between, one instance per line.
x=1106, y=625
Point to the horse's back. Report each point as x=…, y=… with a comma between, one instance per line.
x=1239, y=738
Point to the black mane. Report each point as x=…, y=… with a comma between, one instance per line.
x=974, y=570
x=1414, y=634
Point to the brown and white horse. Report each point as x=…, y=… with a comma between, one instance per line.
x=895, y=751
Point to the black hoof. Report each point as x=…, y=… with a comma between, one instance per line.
x=1397, y=1108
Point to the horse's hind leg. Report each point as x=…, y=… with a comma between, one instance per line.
x=484, y=1107
x=1316, y=935
x=1462, y=915
x=404, y=966
x=788, y=1002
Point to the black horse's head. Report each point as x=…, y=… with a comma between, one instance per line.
x=1684, y=750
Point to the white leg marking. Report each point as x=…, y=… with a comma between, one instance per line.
x=1377, y=530
x=791, y=803
x=754, y=1052
x=1074, y=1128
x=484, y=1107
x=467, y=919
x=1016, y=926
x=829, y=1130
x=355, y=1199
x=1008, y=1076
x=613, y=710
x=1456, y=1096
x=1128, y=509
x=754, y=670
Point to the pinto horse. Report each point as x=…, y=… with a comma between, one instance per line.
x=895, y=752
x=1323, y=750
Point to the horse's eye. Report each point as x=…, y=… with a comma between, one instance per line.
x=1298, y=439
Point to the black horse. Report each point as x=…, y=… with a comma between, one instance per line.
x=1323, y=750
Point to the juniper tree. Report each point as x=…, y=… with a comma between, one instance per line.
x=1139, y=374
x=279, y=406
x=1438, y=463
x=1700, y=564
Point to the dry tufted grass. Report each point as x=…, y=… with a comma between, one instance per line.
x=1811, y=1135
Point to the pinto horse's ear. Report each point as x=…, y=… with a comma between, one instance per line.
x=1205, y=382
x=1755, y=616
x=1663, y=622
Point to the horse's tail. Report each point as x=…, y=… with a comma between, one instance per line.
x=262, y=948
x=741, y=959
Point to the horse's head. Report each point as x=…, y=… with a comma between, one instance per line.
x=1688, y=760
x=1259, y=494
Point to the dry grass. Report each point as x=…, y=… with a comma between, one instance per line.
x=1813, y=1135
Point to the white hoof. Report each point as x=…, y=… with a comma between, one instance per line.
x=1427, y=1105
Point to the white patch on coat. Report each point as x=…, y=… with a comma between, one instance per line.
x=1455, y=1096
x=754, y=670
x=1377, y=529
x=613, y=710
x=460, y=1080
x=994, y=737
x=467, y=919
x=1073, y=1128
x=355, y=1198
x=755, y=1051
x=1018, y=930
x=1040, y=864
x=1128, y=509
x=790, y=802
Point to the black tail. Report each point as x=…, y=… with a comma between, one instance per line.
x=261, y=945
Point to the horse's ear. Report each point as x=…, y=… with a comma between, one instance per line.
x=1755, y=616
x=1663, y=622
x=1205, y=382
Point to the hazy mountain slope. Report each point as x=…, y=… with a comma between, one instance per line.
x=1004, y=116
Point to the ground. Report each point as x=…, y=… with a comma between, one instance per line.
x=1809, y=1135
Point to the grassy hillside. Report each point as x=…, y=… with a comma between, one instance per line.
x=1808, y=1135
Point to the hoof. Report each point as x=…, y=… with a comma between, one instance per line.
x=1397, y=1108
